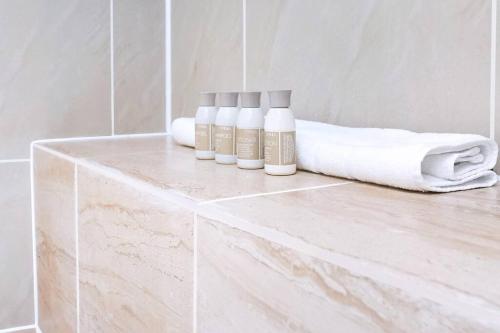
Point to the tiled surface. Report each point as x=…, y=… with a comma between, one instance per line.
x=59, y=53
x=249, y=284
x=449, y=239
x=55, y=81
x=16, y=264
x=111, y=146
x=358, y=256
x=176, y=168
x=206, y=51
x=136, y=259
x=418, y=65
x=55, y=239
x=139, y=36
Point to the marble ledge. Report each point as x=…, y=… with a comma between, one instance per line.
x=156, y=161
x=369, y=258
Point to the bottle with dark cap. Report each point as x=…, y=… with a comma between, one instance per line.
x=250, y=132
x=225, y=128
x=279, y=135
x=205, y=127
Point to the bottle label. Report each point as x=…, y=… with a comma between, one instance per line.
x=279, y=148
x=250, y=144
x=225, y=140
x=204, y=137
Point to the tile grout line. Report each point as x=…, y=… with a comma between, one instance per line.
x=17, y=328
x=33, y=235
x=14, y=160
x=101, y=137
x=244, y=40
x=493, y=67
x=195, y=273
x=275, y=192
x=77, y=245
x=168, y=66
x=112, y=63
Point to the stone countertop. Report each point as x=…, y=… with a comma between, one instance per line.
x=437, y=255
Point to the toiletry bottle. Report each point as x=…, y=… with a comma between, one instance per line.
x=205, y=127
x=250, y=132
x=279, y=133
x=225, y=128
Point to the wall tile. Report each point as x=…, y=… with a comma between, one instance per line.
x=250, y=284
x=136, y=264
x=55, y=77
x=16, y=264
x=418, y=65
x=139, y=38
x=55, y=238
x=207, y=51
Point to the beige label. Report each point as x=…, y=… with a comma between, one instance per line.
x=212, y=131
x=225, y=140
x=250, y=144
x=279, y=148
x=204, y=137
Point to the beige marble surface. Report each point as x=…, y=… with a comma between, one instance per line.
x=419, y=65
x=281, y=257
x=207, y=51
x=16, y=263
x=111, y=146
x=449, y=239
x=175, y=168
x=249, y=284
x=136, y=259
x=55, y=240
x=397, y=241
x=139, y=66
x=59, y=53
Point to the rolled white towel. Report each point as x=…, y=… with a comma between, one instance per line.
x=435, y=162
x=183, y=131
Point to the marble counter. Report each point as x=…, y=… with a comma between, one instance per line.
x=136, y=235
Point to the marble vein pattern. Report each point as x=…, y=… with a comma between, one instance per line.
x=451, y=239
x=207, y=51
x=418, y=65
x=16, y=263
x=136, y=259
x=250, y=284
x=55, y=241
x=139, y=66
x=58, y=51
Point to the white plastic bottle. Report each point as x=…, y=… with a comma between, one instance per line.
x=279, y=128
x=225, y=128
x=205, y=127
x=250, y=132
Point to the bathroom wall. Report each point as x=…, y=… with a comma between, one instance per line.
x=69, y=68
x=420, y=65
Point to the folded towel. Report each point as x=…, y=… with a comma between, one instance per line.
x=183, y=131
x=414, y=161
